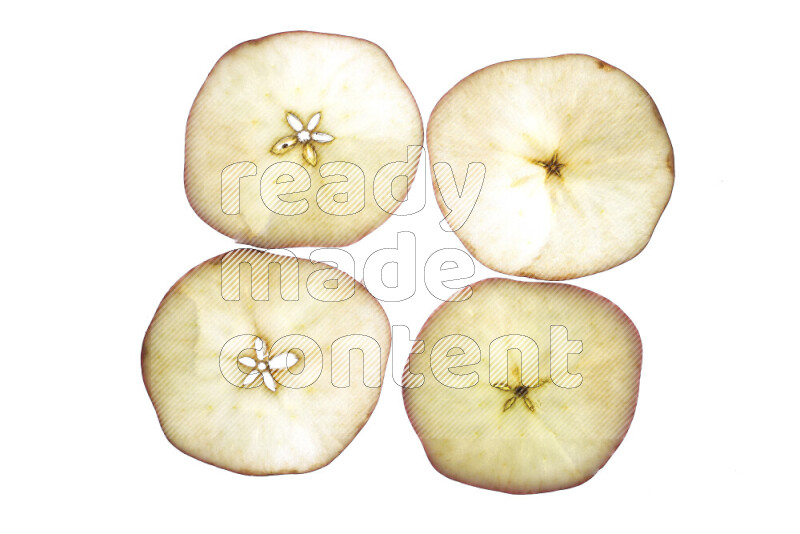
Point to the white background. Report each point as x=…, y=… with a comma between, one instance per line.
x=96, y=228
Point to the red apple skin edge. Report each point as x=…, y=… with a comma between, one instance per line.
x=569, y=276
x=261, y=39
x=623, y=433
x=243, y=472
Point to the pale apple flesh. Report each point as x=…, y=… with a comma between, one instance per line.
x=207, y=402
x=578, y=165
x=286, y=138
x=514, y=431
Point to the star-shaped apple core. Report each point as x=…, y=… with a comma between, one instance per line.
x=262, y=366
x=519, y=392
x=553, y=166
x=305, y=135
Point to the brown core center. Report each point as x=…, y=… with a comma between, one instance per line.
x=552, y=166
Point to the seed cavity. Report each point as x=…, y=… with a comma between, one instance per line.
x=519, y=392
x=305, y=135
x=553, y=166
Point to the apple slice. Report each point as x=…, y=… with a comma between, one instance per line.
x=576, y=164
x=275, y=379
x=524, y=387
x=286, y=138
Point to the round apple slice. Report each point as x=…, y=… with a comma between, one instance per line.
x=301, y=139
x=265, y=364
x=550, y=168
x=524, y=387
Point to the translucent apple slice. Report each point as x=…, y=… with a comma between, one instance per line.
x=286, y=138
x=265, y=364
x=524, y=387
x=576, y=163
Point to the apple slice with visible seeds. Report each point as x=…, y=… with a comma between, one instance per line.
x=296, y=139
x=275, y=379
x=525, y=387
x=578, y=166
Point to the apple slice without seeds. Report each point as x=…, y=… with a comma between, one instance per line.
x=286, y=138
x=262, y=386
x=578, y=165
x=507, y=420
